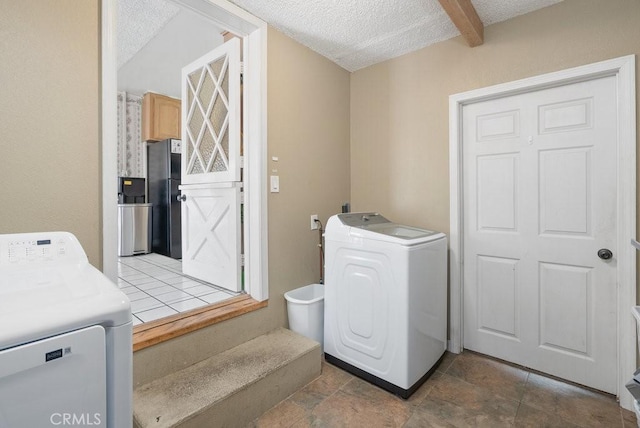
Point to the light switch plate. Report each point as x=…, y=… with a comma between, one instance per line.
x=275, y=184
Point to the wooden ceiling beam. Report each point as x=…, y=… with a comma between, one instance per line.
x=464, y=16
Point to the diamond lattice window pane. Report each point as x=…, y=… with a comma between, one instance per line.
x=224, y=142
x=225, y=85
x=221, y=160
x=192, y=153
x=207, y=146
x=216, y=67
x=218, y=113
x=189, y=148
x=197, y=168
x=189, y=97
x=195, y=124
x=194, y=78
x=218, y=163
x=206, y=91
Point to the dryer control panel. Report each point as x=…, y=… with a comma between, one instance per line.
x=40, y=248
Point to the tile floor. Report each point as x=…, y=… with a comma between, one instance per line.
x=467, y=390
x=157, y=288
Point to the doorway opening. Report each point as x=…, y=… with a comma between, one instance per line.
x=253, y=33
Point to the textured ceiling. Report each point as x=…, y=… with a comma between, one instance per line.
x=357, y=33
x=138, y=22
x=352, y=33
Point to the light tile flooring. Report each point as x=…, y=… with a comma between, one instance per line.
x=157, y=288
x=467, y=390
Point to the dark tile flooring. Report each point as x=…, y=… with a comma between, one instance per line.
x=467, y=390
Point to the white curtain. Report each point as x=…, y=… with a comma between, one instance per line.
x=131, y=148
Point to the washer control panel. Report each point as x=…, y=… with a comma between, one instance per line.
x=40, y=248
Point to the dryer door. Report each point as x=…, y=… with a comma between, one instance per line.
x=60, y=380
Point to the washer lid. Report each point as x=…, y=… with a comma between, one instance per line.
x=361, y=219
x=396, y=233
x=371, y=225
x=399, y=231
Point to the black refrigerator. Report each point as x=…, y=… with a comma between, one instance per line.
x=163, y=170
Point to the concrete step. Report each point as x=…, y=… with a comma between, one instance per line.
x=232, y=388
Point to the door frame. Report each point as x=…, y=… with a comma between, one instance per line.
x=623, y=69
x=254, y=34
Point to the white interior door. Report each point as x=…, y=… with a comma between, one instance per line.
x=211, y=167
x=540, y=202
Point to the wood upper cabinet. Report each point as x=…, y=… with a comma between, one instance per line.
x=161, y=117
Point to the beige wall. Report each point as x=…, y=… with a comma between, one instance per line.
x=49, y=119
x=308, y=108
x=308, y=131
x=399, y=108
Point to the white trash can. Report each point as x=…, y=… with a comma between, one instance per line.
x=305, y=307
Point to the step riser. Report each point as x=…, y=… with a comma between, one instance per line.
x=235, y=411
x=232, y=388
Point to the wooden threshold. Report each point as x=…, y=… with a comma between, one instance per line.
x=158, y=331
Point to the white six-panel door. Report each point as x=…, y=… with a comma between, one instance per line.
x=539, y=192
x=210, y=190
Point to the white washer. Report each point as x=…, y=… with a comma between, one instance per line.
x=385, y=300
x=65, y=337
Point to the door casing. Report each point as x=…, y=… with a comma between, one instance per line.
x=623, y=69
x=254, y=34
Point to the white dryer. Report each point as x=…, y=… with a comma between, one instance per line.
x=65, y=337
x=385, y=300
